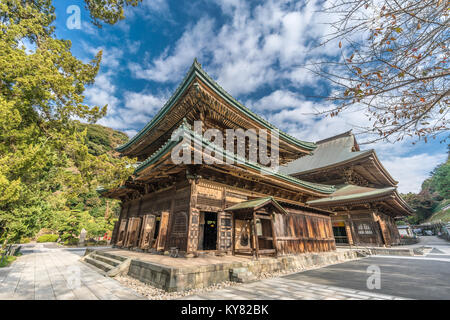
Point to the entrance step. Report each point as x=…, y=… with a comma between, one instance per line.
x=112, y=262
x=98, y=264
x=110, y=255
x=107, y=263
x=241, y=275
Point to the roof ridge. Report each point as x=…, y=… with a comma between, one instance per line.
x=337, y=136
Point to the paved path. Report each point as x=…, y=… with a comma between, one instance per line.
x=422, y=277
x=288, y=289
x=53, y=273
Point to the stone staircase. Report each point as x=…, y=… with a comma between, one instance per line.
x=107, y=263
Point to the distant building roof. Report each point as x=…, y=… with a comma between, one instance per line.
x=329, y=151
x=336, y=151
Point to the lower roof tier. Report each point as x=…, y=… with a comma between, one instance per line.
x=351, y=195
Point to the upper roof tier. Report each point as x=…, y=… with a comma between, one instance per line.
x=199, y=97
x=337, y=153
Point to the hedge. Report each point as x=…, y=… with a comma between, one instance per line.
x=48, y=238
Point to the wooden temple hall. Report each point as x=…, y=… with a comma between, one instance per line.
x=241, y=207
x=365, y=203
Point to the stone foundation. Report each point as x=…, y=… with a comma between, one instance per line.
x=185, y=278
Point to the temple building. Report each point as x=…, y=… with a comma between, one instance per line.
x=239, y=206
x=366, y=202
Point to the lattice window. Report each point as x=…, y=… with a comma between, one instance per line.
x=202, y=200
x=179, y=225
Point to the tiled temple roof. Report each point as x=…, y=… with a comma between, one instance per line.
x=199, y=140
x=196, y=71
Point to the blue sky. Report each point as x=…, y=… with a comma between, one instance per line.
x=252, y=49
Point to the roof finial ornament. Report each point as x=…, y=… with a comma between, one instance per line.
x=196, y=62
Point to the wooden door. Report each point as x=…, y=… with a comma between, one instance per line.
x=147, y=231
x=161, y=241
x=133, y=232
x=122, y=232
x=225, y=232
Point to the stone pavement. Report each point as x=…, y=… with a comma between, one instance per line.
x=55, y=273
x=414, y=277
x=288, y=289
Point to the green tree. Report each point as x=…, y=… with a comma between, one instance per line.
x=45, y=163
x=393, y=64
x=441, y=179
x=435, y=190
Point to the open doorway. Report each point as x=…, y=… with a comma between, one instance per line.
x=340, y=234
x=210, y=231
x=157, y=224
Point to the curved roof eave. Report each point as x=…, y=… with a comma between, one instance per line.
x=358, y=156
x=353, y=197
x=196, y=71
x=321, y=188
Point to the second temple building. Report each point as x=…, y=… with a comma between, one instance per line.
x=324, y=193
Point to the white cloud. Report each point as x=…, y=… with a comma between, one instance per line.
x=411, y=171
x=148, y=9
x=296, y=115
x=130, y=133
x=111, y=57
x=143, y=103
x=170, y=67
x=256, y=46
x=103, y=92
x=137, y=109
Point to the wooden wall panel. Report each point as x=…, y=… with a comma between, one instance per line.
x=134, y=208
x=162, y=237
x=147, y=231
x=133, y=230
x=179, y=220
x=121, y=232
x=299, y=232
x=178, y=232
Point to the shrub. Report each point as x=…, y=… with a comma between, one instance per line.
x=71, y=242
x=6, y=261
x=48, y=238
x=25, y=240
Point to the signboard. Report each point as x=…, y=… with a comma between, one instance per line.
x=339, y=224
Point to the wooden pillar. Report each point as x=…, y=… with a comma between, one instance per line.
x=274, y=236
x=255, y=235
x=354, y=233
x=377, y=229
x=349, y=232
x=193, y=220
x=384, y=230
x=233, y=248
